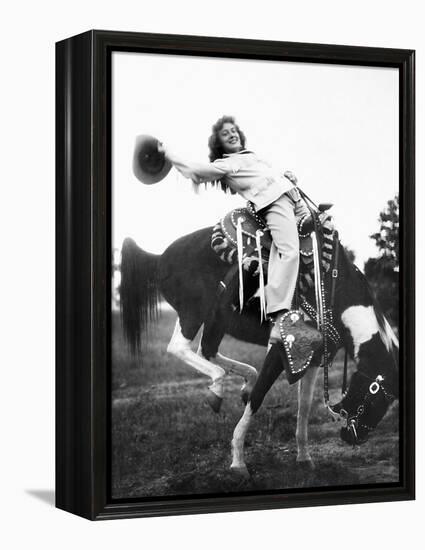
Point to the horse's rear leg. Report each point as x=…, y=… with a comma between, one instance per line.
x=179, y=346
x=271, y=369
x=208, y=348
x=305, y=399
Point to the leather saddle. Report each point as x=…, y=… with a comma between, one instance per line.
x=253, y=224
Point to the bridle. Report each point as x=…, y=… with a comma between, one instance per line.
x=354, y=421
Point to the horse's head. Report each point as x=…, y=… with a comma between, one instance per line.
x=363, y=407
x=373, y=387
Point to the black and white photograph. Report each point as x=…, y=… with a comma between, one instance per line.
x=212, y=304
x=254, y=276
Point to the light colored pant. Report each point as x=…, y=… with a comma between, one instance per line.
x=284, y=254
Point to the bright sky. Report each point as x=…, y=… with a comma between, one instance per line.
x=335, y=127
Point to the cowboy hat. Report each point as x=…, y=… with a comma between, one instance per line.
x=149, y=165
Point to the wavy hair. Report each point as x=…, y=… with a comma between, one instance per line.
x=216, y=149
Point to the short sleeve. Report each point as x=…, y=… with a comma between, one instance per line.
x=229, y=165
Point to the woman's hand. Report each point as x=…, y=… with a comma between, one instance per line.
x=323, y=216
x=324, y=212
x=291, y=177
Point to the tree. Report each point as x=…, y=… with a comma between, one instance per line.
x=387, y=238
x=382, y=272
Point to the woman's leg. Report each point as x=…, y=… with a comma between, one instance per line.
x=284, y=254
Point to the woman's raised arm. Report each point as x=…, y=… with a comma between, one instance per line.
x=197, y=172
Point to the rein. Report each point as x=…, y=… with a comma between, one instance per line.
x=322, y=311
x=334, y=275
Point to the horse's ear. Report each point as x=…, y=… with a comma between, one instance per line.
x=149, y=165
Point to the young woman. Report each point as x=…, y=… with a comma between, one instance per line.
x=273, y=194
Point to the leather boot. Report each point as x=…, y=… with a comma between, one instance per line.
x=275, y=335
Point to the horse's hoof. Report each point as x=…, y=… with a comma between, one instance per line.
x=241, y=472
x=245, y=396
x=214, y=401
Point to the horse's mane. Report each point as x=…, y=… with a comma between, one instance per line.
x=386, y=333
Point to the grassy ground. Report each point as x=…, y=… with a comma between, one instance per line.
x=167, y=441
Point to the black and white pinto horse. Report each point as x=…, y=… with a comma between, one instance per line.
x=187, y=276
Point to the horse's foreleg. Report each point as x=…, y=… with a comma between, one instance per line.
x=179, y=346
x=270, y=371
x=248, y=373
x=305, y=399
x=238, y=460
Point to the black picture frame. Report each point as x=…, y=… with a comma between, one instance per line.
x=83, y=270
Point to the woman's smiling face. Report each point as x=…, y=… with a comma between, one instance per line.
x=229, y=138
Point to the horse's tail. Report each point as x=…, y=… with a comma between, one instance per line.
x=139, y=293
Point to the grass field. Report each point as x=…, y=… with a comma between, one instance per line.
x=167, y=441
